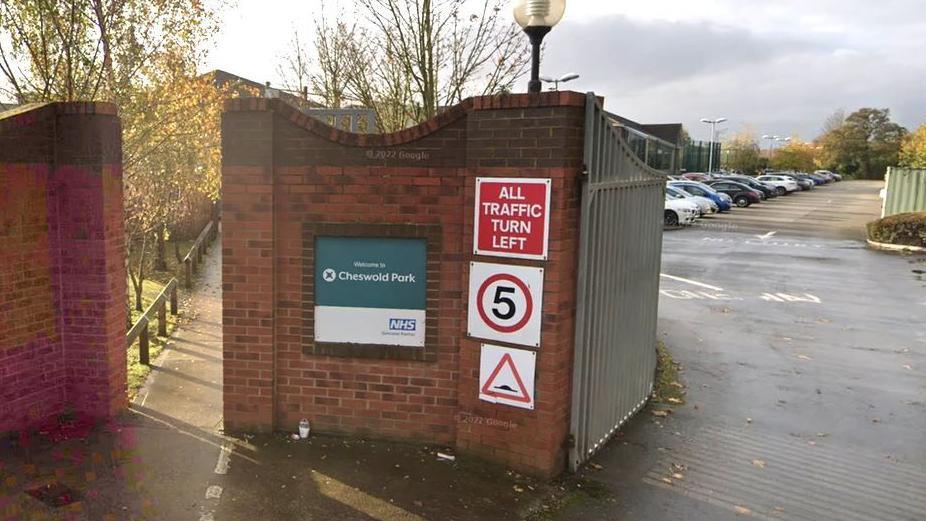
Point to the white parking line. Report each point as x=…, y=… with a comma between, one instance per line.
x=692, y=282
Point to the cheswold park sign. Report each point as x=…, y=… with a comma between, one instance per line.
x=370, y=290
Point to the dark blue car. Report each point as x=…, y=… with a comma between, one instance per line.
x=694, y=188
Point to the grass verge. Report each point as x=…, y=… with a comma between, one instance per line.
x=667, y=387
x=570, y=492
x=908, y=229
x=137, y=373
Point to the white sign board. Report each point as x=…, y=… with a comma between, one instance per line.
x=505, y=303
x=506, y=376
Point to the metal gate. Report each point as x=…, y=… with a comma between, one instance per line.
x=618, y=286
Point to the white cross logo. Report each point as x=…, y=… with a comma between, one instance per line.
x=329, y=275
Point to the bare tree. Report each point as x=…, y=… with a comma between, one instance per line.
x=408, y=59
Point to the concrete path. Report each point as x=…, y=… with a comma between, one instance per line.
x=178, y=413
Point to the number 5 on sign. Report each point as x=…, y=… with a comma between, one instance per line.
x=505, y=303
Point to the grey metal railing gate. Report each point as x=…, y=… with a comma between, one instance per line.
x=618, y=286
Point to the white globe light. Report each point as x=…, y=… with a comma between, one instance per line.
x=538, y=13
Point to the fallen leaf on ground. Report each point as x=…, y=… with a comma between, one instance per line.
x=907, y=367
x=595, y=466
x=804, y=357
x=667, y=480
x=518, y=488
x=678, y=475
x=742, y=510
x=676, y=384
x=759, y=463
x=659, y=413
x=673, y=400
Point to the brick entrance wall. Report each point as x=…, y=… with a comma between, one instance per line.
x=62, y=274
x=286, y=175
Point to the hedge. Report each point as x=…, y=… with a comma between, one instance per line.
x=904, y=228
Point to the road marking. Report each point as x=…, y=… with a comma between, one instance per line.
x=221, y=466
x=684, y=294
x=214, y=492
x=692, y=282
x=784, y=297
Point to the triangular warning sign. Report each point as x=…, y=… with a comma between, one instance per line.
x=498, y=385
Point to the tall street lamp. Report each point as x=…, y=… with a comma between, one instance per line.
x=771, y=141
x=713, y=123
x=537, y=17
x=562, y=79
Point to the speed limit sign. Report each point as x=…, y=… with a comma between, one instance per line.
x=505, y=303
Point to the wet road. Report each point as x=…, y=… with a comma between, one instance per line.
x=805, y=360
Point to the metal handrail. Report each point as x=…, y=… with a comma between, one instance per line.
x=200, y=246
x=139, y=329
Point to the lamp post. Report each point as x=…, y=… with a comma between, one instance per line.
x=537, y=17
x=562, y=79
x=771, y=141
x=713, y=123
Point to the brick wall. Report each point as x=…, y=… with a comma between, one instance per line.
x=285, y=175
x=62, y=275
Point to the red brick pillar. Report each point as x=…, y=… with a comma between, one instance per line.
x=86, y=185
x=248, y=268
x=528, y=137
x=62, y=263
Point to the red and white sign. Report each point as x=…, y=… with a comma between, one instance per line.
x=505, y=303
x=506, y=376
x=512, y=218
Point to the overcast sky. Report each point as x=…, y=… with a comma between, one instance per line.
x=779, y=67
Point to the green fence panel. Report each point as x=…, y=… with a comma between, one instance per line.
x=905, y=191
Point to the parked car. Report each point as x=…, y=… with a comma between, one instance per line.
x=783, y=184
x=679, y=211
x=706, y=206
x=743, y=196
x=817, y=179
x=805, y=182
x=723, y=201
x=697, y=176
x=768, y=192
x=833, y=175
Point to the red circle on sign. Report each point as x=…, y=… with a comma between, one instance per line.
x=527, y=299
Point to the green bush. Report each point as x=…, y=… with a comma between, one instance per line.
x=904, y=228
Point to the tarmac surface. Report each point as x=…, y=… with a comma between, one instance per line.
x=804, y=354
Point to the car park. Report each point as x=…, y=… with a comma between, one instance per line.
x=706, y=206
x=723, y=201
x=679, y=211
x=783, y=184
x=742, y=195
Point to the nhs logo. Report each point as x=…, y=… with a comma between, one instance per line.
x=402, y=324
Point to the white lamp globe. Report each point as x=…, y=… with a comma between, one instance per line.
x=538, y=13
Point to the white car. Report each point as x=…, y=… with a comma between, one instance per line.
x=680, y=212
x=782, y=184
x=705, y=205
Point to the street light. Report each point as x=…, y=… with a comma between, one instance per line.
x=562, y=79
x=713, y=123
x=537, y=17
x=771, y=141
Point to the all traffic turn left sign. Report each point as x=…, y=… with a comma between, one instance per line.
x=512, y=218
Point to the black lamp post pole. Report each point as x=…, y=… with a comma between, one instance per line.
x=536, y=34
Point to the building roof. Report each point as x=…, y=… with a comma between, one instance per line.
x=668, y=132
x=246, y=87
